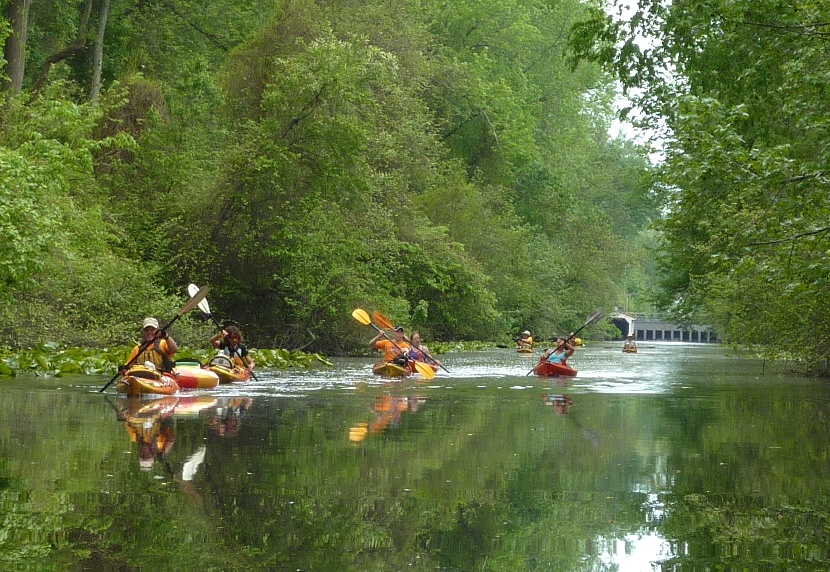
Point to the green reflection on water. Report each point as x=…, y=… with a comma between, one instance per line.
x=685, y=447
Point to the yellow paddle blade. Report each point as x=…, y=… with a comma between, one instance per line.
x=358, y=432
x=382, y=320
x=362, y=316
x=424, y=370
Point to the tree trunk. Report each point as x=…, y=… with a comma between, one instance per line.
x=15, y=52
x=98, y=51
x=68, y=51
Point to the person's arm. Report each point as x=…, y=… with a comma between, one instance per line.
x=428, y=354
x=171, y=345
x=247, y=359
x=374, y=342
x=216, y=340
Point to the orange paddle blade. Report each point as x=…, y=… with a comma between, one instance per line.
x=382, y=320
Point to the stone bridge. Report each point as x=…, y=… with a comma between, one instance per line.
x=656, y=330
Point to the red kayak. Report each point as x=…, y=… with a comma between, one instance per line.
x=547, y=369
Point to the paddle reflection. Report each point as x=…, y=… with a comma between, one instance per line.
x=388, y=410
x=562, y=405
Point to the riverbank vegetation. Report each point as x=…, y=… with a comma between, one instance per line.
x=738, y=90
x=442, y=162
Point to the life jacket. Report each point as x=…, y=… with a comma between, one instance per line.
x=236, y=354
x=158, y=358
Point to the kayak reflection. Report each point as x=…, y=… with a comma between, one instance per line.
x=388, y=410
x=561, y=403
x=227, y=417
x=149, y=424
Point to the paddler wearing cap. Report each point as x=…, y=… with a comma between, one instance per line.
x=526, y=341
x=158, y=347
x=391, y=350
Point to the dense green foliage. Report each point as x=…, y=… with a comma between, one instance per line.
x=439, y=161
x=739, y=90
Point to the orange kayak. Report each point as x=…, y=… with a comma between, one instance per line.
x=230, y=375
x=547, y=369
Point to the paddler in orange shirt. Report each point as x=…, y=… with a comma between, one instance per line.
x=391, y=353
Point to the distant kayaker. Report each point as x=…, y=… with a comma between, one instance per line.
x=229, y=342
x=158, y=347
x=630, y=344
x=526, y=341
x=560, y=353
x=420, y=352
x=391, y=353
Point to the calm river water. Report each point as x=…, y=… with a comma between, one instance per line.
x=683, y=457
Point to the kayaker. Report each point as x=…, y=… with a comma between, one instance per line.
x=229, y=341
x=526, y=341
x=560, y=353
x=420, y=352
x=630, y=344
x=396, y=351
x=158, y=347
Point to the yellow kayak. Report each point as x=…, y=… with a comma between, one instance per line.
x=389, y=369
x=141, y=380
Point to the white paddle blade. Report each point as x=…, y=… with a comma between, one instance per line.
x=594, y=317
x=203, y=305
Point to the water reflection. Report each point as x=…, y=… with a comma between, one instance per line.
x=149, y=421
x=561, y=403
x=677, y=458
x=388, y=410
x=226, y=418
x=149, y=425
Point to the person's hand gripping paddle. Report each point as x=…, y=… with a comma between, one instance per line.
x=361, y=316
x=205, y=308
x=592, y=319
x=191, y=304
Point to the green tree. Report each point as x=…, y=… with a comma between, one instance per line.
x=737, y=87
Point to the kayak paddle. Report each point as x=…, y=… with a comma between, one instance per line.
x=361, y=316
x=192, y=302
x=592, y=319
x=205, y=308
x=385, y=323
